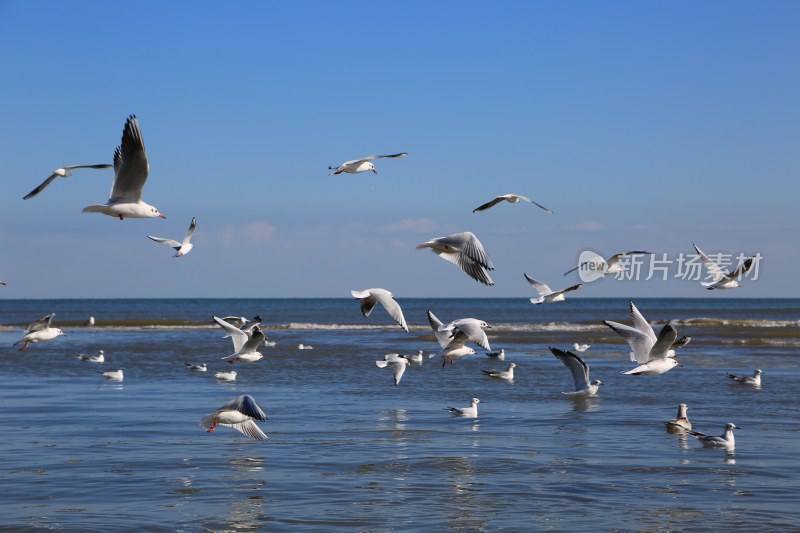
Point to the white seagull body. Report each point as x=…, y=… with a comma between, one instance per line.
x=361, y=165
x=115, y=375
x=183, y=247
x=612, y=265
x=397, y=363
x=580, y=373
x=39, y=331
x=466, y=412
x=725, y=440
x=99, y=358
x=459, y=332
x=754, y=381
x=680, y=423
x=202, y=367
x=581, y=347
x=63, y=172
x=226, y=376
x=510, y=198
x=507, y=374
x=130, y=174
x=370, y=298
x=500, y=356
x=546, y=294
x=302, y=346
x=239, y=414
x=245, y=345
x=721, y=279
x=654, y=354
x=466, y=252
x=415, y=358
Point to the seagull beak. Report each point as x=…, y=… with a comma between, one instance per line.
x=161, y=216
x=375, y=171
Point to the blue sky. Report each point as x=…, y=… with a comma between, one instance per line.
x=642, y=125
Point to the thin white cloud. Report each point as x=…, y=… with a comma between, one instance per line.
x=587, y=225
x=257, y=232
x=410, y=225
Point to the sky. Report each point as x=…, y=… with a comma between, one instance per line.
x=642, y=125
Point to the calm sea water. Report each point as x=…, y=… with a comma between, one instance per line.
x=349, y=451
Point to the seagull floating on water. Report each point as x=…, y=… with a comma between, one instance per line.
x=370, y=298
x=581, y=347
x=397, y=363
x=580, y=373
x=415, y=358
x=302, y=346
x=725, y=440
x=226, y=376
x=510, y=198
x=130, y=174
x=654, y=354
x=466, y=252
x=115, y=375
x=754, y=381
x=546, y=294
x=361, y=165
x=721, y=279
x=183, y=247
x=63, y=172
x=466, y=412
x=680, y=423
x=202, y=367
x=500, y=356
x=507, y=374
x=239, y=414
x=40, y=331
x=99, y=358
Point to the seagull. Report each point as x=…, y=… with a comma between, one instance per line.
x=197, y=367
x=226, y=376
x=510, y=198
x=466, y=412
x=130, y=174
x=500, y=356
x=361, y=165
x=239, y=414
x=726, y=440
x=681, y=423
x=507, y=374
x=99, y=358
x=453, y=351
x=414, y=358
x=246, y=325
x=370, y=298
x=641, y=344
x=465, y=251
x=2, y=282
x=245, y=346
x=40, y=331
x=612, y=265
x=90, y=322
x=754, y=381
x=183, y=247
x=302, y=346
x=63, y=172
x=657, y=359
x=546, y=294
x=397, y=363
x=581, y=347
x=114, y=374
x=461, y=330
x=720, y=279
x=580, y=373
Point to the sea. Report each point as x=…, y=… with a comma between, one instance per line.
x=350, y=451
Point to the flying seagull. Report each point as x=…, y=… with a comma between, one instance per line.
x=130, y=174
x=245, y=345
x=361, y=165
x=370, y=298
x=182, y=248
x=465, y=251
x=63, y=172
x=461, y=330
x=510, y=198
x=719, y=278
x=612, y=265
x=654, y=354
x=239, y=414
x=40, y=331
x=397, y=363
x=546, y=294
x=580, y=373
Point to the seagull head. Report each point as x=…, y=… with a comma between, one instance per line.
x=372, y=168
x=59, y=332
x=597, y=382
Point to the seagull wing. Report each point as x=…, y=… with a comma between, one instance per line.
x=742, y=269
x=666, y=337
x=238, y=336
x=368, y=301
x=577, y=367
x=169, y=242
x=130, y=165
x=399, y=370
x=372, y=157
x=569, y=289
x=468, y=266
x=472, y=330
x=443, y=337
x=713, y=268
x=614, y=259
x=640, y=342
x=542, y=288
x=254, y=341
x=392, y=307
x=487, y=205
x=54, y=175
x=246, y=405
x=41, y=324
x=640, y=323
x=249, y=428
x=525, y=198
x=189, y=233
